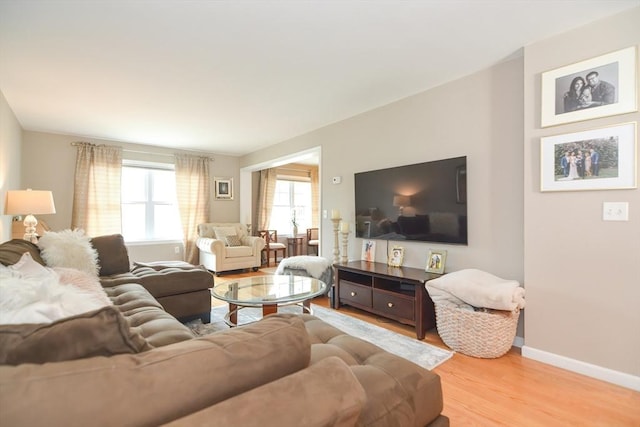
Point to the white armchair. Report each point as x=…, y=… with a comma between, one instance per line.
x=225, y=246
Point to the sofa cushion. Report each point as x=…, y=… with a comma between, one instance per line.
x=157, y=386
x=113, y=257
x=398, y=391
x=324, y=395
x=146, y=316
x=102, y=332
x=12, y=251
x=69, y=248
x=238, y=251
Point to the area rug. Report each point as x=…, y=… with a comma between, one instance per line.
x=418, y=352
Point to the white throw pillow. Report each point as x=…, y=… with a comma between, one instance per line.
x=27, y=267
x=69, y=248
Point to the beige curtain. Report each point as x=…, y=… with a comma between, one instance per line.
x=192, y=187
x=96, y=194
x=266, y=194
x=315, y=197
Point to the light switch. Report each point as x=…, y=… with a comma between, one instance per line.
x=615, y=211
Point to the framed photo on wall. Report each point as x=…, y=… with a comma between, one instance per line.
x=223, y=188
x=602, y=86
x=436, y=261
x=599, y=159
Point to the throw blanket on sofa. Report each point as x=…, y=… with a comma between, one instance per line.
x=476, y=288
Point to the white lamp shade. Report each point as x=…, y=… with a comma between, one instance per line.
x=23, y=202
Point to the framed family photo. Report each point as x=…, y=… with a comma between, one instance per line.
x=599, y=159
x=396, y=256
x=223, y=188
x=602, y=86
x=436, y=261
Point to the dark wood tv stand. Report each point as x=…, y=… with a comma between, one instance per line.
x=397, y=293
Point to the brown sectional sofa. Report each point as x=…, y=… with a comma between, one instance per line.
x=183, y=290
x=133, y=364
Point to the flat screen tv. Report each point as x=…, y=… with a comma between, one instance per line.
x=420, y=202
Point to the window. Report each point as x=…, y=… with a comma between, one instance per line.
x=149, y=206
x=291, y=196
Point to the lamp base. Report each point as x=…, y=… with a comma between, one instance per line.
x=30, y=223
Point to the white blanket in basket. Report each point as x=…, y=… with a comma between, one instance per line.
x=476, y=288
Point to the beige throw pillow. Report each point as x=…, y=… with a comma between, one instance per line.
x=233, y=241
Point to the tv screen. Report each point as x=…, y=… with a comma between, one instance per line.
x=420, y=202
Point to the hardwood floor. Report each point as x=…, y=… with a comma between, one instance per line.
x=512, y=390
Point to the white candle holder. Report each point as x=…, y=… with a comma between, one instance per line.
x=345, y=244
x=336, y=248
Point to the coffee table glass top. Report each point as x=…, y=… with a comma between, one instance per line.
x=265, y=290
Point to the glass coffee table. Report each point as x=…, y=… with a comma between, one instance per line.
x=267, y=292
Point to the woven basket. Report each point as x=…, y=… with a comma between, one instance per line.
x=486, y=334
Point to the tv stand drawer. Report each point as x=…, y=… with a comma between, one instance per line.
x=394, y=306
x=354, y=293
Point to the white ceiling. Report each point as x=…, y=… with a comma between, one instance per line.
x=231, y=77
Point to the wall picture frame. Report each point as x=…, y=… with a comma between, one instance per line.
x=598, y=87
x=223, y=188
x=396, y=257
x=436, y=261
x=598, y=159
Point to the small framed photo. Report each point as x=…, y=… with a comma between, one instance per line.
x=599, y=87
x=223, y=188
x=369, y=250
x=599, y=159
x=396, y=256
x=436, y=261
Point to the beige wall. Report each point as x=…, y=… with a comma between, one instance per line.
x=581, y=273
x=10, y=155
x=474, y=116
x=479, y=116
x=49, y=164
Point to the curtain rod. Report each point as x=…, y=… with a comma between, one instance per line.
x=75, y=144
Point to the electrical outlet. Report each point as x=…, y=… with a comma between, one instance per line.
x=615, y=211
x=177, y=249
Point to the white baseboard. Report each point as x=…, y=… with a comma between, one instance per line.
x=518, y=342
x=594, y=371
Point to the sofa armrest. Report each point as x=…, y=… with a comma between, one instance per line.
x=325, y=394
x=209, y=244
x=256, y=243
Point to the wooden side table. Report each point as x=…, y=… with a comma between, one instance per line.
x=294, y=245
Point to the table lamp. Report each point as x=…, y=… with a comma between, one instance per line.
x=401, y=202
x=29, y=202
